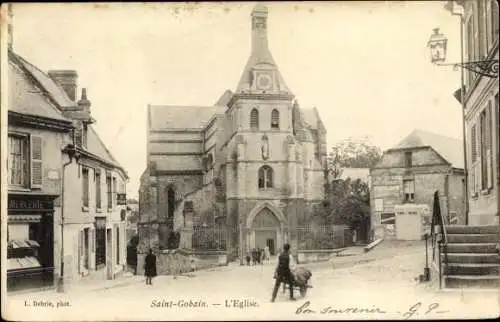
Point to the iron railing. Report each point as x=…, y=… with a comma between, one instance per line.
x=323, y=237
x=210, y=237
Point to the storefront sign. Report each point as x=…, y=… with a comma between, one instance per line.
x=121, y=199
x=30, y=203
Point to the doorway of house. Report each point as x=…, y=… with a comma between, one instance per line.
x=109, y=254
x=86, y=249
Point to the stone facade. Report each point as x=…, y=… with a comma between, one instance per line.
x=410, y=173
x=254, y=154
x=482, y=114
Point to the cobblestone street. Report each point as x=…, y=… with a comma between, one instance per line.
x=382, y=281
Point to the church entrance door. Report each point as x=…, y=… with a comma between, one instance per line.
x=266, y=231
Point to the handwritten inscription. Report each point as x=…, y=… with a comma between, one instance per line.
x=414, y=310
x=418, y=308
x=306, y=309
x=47, y=304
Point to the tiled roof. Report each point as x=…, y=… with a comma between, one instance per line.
x=180, y=117
x=57, y=93
x=449, y=148
x=27, y=99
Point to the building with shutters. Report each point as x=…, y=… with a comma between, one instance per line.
x=66, y=218
x=482, y=114
x=253, y=164
x=410, y=173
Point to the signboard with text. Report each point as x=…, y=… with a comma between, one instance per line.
x=121, y=199
x=30, y=203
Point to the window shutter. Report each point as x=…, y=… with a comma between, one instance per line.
x=489, y=154
x=80, y=251
x=473, y=144
x=36, y=146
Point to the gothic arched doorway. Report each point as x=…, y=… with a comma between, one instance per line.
x=266, y=231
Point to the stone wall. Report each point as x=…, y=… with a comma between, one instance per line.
x=174, y=262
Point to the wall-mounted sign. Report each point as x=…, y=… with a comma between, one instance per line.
x=30, y=203
x=121, y=199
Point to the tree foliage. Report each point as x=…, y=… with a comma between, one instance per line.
x=348, y=203
x=352, y=153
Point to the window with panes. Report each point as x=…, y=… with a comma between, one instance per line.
x=18, y=161
x=98, y=190
x=265, y=177
x=275, y=119
x=85, y=187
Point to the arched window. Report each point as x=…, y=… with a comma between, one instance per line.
x=170, y=202
x=265, y=177
x=254, y=119
x=275, y=119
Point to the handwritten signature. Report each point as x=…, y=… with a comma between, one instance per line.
x=416, y=309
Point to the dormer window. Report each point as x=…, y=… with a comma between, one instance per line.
x=275, y=119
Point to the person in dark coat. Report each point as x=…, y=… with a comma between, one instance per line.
x=150, y=266
x=283, y=272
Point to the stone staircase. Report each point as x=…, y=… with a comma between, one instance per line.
x=471, y=259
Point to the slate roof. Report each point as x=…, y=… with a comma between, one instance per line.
x=180, y=117
x=57, y=93
x=310, y=117
x=225, y=98
x=96, y=146
x=449, y=148
x=26, y=98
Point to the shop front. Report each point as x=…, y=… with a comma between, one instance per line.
x=30, y=241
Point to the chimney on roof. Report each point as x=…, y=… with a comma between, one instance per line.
x=67, y=80
x=84, y=103
x=9, y=26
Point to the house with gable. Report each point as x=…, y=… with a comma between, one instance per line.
x=410, y=173
x=65, y=220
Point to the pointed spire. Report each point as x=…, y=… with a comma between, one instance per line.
x=261, y=58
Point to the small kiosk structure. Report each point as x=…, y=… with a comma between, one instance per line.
x=412, y=221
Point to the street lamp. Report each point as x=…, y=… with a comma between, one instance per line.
x=489, y=68
x=437, y=45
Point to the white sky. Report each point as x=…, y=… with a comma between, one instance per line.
x=364, y=65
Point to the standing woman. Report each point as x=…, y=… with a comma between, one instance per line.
x=150, y=266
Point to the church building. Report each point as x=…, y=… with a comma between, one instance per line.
x=253, y=164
